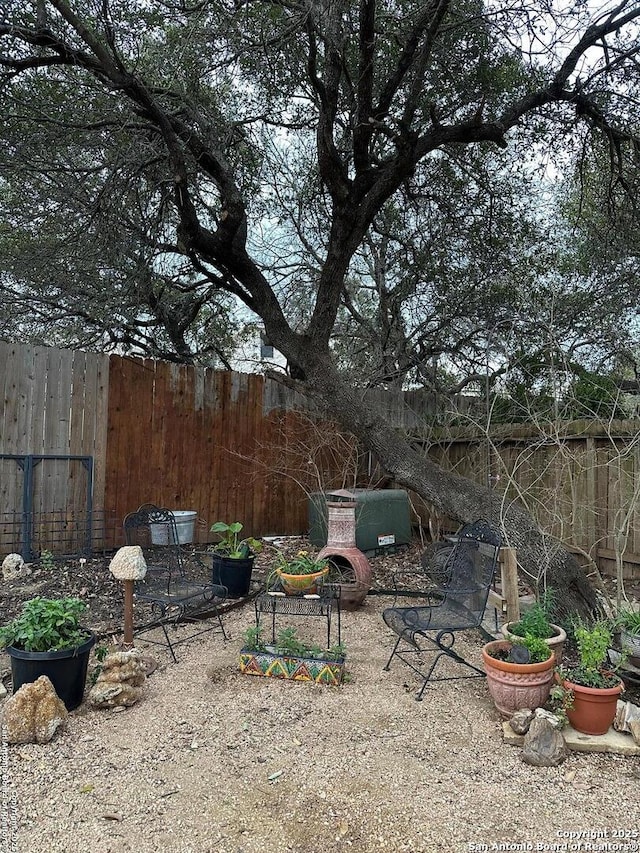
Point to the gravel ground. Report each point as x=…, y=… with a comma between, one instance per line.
x=212, y=761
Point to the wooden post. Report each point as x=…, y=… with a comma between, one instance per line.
x=507, y=601
x=128, y=615
x=509, y=574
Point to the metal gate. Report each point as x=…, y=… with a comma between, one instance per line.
x=53, y=506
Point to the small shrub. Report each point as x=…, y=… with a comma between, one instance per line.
x=46, y=560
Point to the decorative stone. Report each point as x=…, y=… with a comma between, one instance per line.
x=3, y=690
x=543, y=745
x=13, y=566
x=521, y=721
x=34, y=713
x=627, y=719
x=548, y=715
x=618, y=743
x=120, y=681
x=128, y=563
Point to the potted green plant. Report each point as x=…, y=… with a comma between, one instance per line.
x=233, y=558
x=291, y=658
x=536, y=622
x=595, y=688
x=519, y=674
x=628, y=623
x=46, y=638
x=299, y=575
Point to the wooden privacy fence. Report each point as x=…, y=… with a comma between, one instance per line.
x=233, y=447
x=240, y=447
x=53, y=428
x=580, y=480
x=206, y=440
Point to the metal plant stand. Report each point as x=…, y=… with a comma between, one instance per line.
x=323, y=605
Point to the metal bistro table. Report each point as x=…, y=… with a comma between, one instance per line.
x=322, y=605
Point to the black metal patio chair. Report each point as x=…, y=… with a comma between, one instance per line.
x=171, y=592
x=451, y=595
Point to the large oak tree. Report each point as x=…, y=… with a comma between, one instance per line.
x=209, y=118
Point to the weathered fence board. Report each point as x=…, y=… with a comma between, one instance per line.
x=54, y=404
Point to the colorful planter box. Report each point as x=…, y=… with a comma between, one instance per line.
x=273, y=664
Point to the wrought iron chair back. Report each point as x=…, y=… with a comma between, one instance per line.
x=154, y=530
x=465, y=570
x=169, y=588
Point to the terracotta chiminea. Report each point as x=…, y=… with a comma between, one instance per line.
x=341, y=550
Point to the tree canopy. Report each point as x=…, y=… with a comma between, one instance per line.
x=166, y=156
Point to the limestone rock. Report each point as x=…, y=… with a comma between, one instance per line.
x=547, y=715
x=627, y=719
x=13, y=566
x=543, y=745
x=34, y=713
x=521, y=721
x=128, y=563
x=120, y=681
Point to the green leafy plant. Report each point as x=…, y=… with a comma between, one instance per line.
x=536, y=620
x=630, y=621
x=288, y=643
x=301, y=564
x=538, y=650
x=46, y=624
x=100, y=653
x=253, y=640
x=559, y=702
x=593, y=645
x=46, y=560
x=524, y=650
x=230, y=545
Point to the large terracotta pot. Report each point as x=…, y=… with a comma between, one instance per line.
x=593, y=707
x=514, y=686
x=556, y=642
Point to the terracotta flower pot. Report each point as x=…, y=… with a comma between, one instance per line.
x=301, y=584
x=593, y=707
x=514, y=686
x=556, y=642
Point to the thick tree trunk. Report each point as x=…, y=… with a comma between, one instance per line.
x=539, y=555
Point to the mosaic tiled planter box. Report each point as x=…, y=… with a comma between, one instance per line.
x=273, y=664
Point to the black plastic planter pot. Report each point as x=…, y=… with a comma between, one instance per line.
x=234, y=574
x=66, y=669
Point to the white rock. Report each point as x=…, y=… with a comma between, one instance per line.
x=34, y=713
x=13, y=566
x=128, y=563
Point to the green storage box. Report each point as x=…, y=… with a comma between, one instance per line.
x=382, y=518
